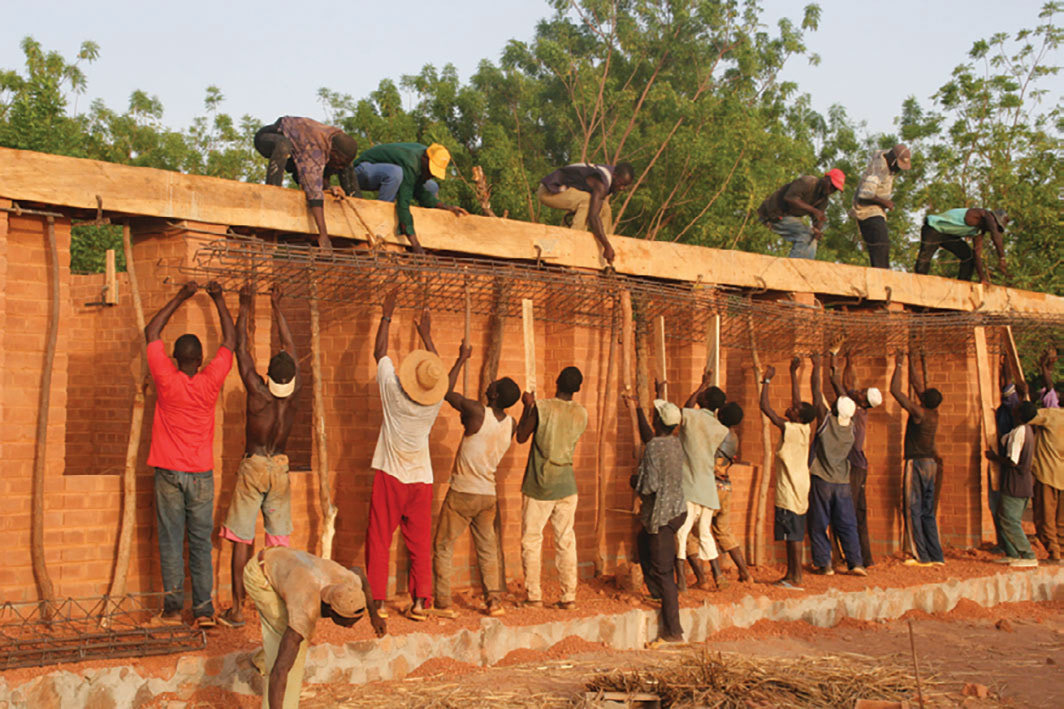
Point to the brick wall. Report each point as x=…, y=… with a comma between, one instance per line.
x=91, y=400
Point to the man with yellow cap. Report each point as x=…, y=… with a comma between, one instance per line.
x=411, y=396
x=402, y=173
x=292, y=590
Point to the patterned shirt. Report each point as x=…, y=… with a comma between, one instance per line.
x=660, y=483
x=877, y=181
x=312, y=153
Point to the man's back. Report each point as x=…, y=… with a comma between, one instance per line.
x=549, y=473
x=701, y=434
x=403, y=444
x=269, y=422
x=920, y=435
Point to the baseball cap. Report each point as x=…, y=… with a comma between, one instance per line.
x=874, y=396
x=838, y=177
x=904, y=156
x=846, y=408
x=667, y=411
x=439, y=158
x=1001, y=217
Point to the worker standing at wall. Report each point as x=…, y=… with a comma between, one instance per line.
x=182, y=453
x=549, y=486
x=312, y=152
x=1017, y=486
x=411, y=397
x=1048, y=469
x=872, y=200
x=921, y=465
x=731, y=415
x=782, y=211
x=471, y=498
x=404, y=173
x=583, y=190
x=262, y=476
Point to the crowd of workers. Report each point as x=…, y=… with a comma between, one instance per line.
x=682, y=480
x=407, y=172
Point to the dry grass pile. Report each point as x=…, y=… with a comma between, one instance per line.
x=713, y=679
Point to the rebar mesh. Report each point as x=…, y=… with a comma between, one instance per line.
x=50, y=632
x=585, y=298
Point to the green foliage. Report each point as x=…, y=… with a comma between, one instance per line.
x=686, y=90
x=89, y=244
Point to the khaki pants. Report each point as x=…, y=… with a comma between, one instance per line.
x=722, y=525
x=1049, y=518
x=577, y=202
x=463, y=510
x=534, y=516
x=707, y=547
x=273, y=617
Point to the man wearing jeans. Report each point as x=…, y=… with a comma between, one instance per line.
x=182, y=453
x=921, y=465
x=782, y=211
x=549, y=488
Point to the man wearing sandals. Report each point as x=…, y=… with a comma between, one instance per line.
x=262, y=477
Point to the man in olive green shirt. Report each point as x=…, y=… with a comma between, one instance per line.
x=1048, y=470
x=402, y=173
x=549, y=487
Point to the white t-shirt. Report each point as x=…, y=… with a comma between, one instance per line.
x=403, y=444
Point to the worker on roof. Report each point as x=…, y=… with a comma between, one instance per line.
x=402, y=173
x=948, y=231
x=782, y=211
x=583, y=190
x=313, y=153
x=872, y=199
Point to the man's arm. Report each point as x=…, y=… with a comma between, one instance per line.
x=707, y=380
x=818, y=392
x=833, y=375
x=214, y=289
x=153, y=330
x=379, y=626
x=424, y=329
x=898, y=394
x=849, y=378
x=796, y=393
x=1045, y=364
x=287, y=651
x=288, y=343
x=406, y=220
x=529, y=417
x=380, y=345
x=599, y=192
x=996, y=237
x=766, y=407
x=916, y=377
x=318, y=212
x=645, y=431
x=464, y=350
x=244, y=362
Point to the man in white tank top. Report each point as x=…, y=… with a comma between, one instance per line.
x=470, y=501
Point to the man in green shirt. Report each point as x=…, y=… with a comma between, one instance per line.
x=549, y=487
x=402, y=173
x=948, y=231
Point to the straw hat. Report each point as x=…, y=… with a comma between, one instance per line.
x=423, y=377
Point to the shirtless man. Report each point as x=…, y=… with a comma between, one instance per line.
x=262, y=477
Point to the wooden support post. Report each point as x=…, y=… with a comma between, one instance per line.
x=529, y=331
x=1013, y=356
x=627, y=335
x=759, y=554
x=110, y=293
x=136, y=425
x=990, y=480
x=713, y=348
x=607, y=405
x=659, y=346
x=465, y=369
x=328, y=509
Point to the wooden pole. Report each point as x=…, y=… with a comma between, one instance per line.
x=468, y=315
x=759, y=553
x=136, y=425
x=713, y=348
x=992, y=479
x=40, y=568
x=1013, y=356
x=328, y=509
x=607, y=403
x=529, y=330
x=110, y=293
x=659, y=346
x=627, y=338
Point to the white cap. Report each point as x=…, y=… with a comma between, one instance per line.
x=668, y=412
x=281, y=391
x=874, y=396
x=846, y=408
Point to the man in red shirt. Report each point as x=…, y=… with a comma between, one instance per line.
x=182, y=453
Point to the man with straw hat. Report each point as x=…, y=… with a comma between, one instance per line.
x=872, y=199
x=403, y=173
x=411, y=397
x=292, y=590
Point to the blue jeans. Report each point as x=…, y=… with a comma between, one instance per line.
x=385, y=179
x=920, y=474
x=800, y=234
x=1013, y=539
x=832, y=503
x=185, y=501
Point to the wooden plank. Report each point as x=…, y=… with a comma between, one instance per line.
x=991, y=477
x=110, y=293
x=662, y=372
x=466, y=368
x=1013, y=356
x=713, y=348
x=528, y=326
x=627, y=348
x=73, y=182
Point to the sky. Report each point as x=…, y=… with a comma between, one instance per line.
x=270, y=58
